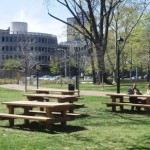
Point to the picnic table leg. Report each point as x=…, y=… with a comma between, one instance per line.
x=26, y=112
x=64, y=116
x=48, y=114
x=70, y=100
x=71, y=109
x=148, y=102
x=113, y=100
x=11, y=111
x=121, y=101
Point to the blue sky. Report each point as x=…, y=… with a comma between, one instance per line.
x=35, y=13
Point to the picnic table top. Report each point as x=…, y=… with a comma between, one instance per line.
x=38, y=104
x=127, y=95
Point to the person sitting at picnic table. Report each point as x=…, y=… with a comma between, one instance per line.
x=134, y=90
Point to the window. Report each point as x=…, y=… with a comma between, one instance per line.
x=3, y=48
x=42, y=40
x=6, y=39
x=15, y=48
x=3, y=39
x=45, y=40
x=49, y=49
x=39, y=49
x=7, y=48
x=45, y=49
x=11, y=39
x=11, y=48
x=3, y=57
x=39, y=40
x=15, y=39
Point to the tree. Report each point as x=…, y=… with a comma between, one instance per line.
x=55, y=67
x=141, y=42
x=11, y=64
x=28, y=55
x=126, y=17
x=98, y=15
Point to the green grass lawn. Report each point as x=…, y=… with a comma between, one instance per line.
x=98, y=129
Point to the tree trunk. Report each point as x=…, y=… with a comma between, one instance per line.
x=26, y=82
x=93, y=66
x=102, y=77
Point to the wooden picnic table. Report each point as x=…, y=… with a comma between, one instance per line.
x=50, y=91
x=50, y=107
x=121, y=97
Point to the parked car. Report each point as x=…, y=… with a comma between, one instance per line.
x=133, y=77
x=31, y=77
x=55, y=77
x=145, y=76
x=45, y=77
x=87, y=78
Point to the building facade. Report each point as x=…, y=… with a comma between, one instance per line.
x=72, y=34
x=12, y=44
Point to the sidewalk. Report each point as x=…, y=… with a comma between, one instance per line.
x=21, y=87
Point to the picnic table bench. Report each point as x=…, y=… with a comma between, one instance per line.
x=72, y=115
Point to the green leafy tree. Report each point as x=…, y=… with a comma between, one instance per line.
x=54, y=67
x=140, y=41
x=11, y=64
x=127, y=16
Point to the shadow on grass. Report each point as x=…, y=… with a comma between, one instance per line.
x=127, y=111
x=54, y=129
x=121, y=114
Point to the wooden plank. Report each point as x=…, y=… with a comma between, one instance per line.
x=36, y=118
x=68, y=114
x=54, y=113
x=127, y=104
x=79, y=106
x=15, y=116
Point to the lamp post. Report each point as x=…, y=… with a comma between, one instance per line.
x=131, y=65
x=119, y=41
x=148, y=70
x=37, y=67
x=77, y=71
x=77, y=68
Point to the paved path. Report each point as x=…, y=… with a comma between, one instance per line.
x=21, y=87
